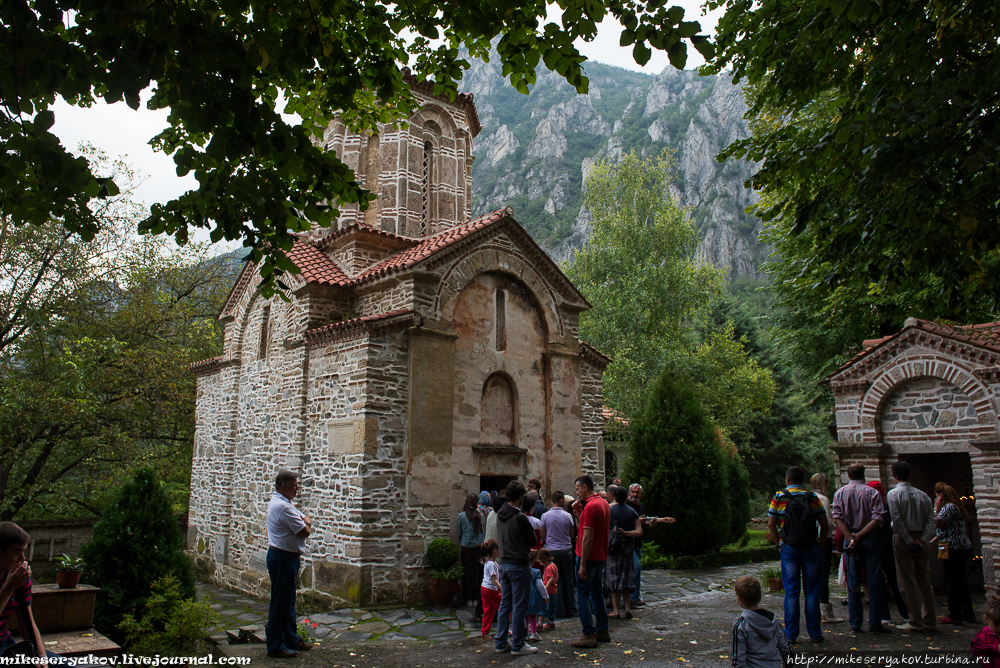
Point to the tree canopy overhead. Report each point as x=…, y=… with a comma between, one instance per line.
x=877, y=126
x=221, y=67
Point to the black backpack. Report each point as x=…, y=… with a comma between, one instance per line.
x=616, y=539
x=799, y=528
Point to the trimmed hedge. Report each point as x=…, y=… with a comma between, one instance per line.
x=734, y=558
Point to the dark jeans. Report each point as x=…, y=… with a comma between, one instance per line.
x=590, y=598
x=283, y=567
x=955, y=580
x=824, y=572
x=801, y=566
x=515, y=593
x=566, y=597
x=636, y=594
x=869, y=558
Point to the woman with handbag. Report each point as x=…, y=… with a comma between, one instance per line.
x=954, y=548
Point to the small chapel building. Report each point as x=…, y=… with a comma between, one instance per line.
x=930, y=395
x=420, y=356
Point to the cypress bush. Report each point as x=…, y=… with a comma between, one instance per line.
x=135, y=543
x=677, y=459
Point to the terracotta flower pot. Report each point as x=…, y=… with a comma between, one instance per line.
x=775, y=584
x=442, y=591
x=68, y=579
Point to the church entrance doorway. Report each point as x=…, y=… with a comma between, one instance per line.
x=494, y=483
x=955, y=469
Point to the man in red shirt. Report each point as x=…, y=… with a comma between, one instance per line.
x=591, y=555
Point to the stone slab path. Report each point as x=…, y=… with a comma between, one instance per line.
x=434, y=625
x=687, y=621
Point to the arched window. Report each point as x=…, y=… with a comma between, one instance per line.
x=497, y=412
x=425, y=213
x=373, y=166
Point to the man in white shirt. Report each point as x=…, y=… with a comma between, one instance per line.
x=912, y=515
x=287, y=530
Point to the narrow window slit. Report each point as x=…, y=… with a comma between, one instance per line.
x=501, y=320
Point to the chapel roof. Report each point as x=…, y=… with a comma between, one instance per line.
x=317, y=267
x=985, y=335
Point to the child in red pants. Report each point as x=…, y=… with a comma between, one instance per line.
x=491, y=584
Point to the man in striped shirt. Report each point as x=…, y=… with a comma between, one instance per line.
x=795, y=521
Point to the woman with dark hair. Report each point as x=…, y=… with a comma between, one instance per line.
x=470, y=538
x=954, y=548
x=620, y=569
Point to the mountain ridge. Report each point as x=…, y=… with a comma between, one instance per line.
x=534, y=152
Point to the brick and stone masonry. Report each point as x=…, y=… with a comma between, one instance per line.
x=929, y=391
x=417, y=352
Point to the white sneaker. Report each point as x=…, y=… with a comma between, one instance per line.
x=503, y=648
x=535, y=637
x=525, y=649
x=910, y=627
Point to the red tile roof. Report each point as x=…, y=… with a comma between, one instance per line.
x=986, y=335
x=431, y=245
x=382, y=321
x=593, y=356
x=315, y=265
x=613, y=416
x=367, y=230
x=204, y=367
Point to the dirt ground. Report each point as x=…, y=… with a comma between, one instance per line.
x=684, y=627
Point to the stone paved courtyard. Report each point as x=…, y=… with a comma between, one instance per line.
x=687, y=620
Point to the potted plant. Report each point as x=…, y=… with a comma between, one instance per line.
x=773, y=576
x=68, y=576
x=441, y=556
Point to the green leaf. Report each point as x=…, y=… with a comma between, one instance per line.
x=641, y=53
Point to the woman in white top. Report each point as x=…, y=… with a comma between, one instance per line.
x=820, y=487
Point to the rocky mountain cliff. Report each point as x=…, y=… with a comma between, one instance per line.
x=535, y=150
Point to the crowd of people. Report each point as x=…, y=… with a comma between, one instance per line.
x=886, y=542
x=526, y=565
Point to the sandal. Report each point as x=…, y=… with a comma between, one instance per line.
x=614, y=616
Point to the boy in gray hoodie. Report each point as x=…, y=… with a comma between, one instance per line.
x=758, y=639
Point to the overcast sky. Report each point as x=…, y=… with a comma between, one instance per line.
x=122, y=132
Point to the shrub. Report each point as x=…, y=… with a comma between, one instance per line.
x=441, y=557
x=677, y=458
x=135, y=543
x=170, y=624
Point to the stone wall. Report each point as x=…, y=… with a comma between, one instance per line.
x=931, y=409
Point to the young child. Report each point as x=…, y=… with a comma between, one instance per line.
x=539, y=602
x=986, y=644
x=550, y=578
x=758, y=639
x=490, y=588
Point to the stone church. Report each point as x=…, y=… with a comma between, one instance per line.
x=420, y=356
x=930, y=395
